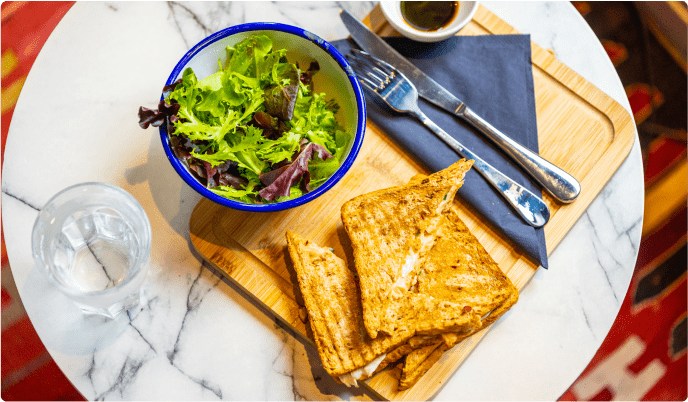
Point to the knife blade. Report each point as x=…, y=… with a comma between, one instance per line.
x=556, y=181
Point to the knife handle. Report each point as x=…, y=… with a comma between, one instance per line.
x=528, y=205
x=557, y=182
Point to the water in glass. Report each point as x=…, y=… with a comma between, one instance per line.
x=94, y=246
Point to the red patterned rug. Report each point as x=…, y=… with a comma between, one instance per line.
x=644, y=355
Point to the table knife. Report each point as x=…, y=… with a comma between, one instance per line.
x=556, y=181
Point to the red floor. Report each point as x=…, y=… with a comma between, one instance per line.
x=642, y=358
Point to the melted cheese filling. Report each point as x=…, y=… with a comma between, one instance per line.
x=449, y=338
x=362, y=373
x=427, y=240
x=488, y=314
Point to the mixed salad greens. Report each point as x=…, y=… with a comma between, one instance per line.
x=254, y=131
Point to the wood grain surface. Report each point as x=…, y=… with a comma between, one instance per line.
x=580, y=129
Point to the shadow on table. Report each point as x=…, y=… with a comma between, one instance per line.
x=322, y=381
x=62, y=325
x=175, y=201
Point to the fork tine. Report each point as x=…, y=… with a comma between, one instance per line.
x=362, y=74
x=377, y=85
x=379, y=81
x=369, y=64
x=367, y=84
x=364, y=68
x=383, y=66
x=375, y=76
x=386, y=76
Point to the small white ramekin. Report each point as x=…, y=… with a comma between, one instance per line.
x=392, y=11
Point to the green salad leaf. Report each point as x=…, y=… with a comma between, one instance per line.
x=320, y=170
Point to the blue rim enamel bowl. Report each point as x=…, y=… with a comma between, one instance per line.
x=335, y=78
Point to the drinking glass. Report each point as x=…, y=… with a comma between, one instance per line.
x=92, y=241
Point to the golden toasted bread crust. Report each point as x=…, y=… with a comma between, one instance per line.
x=454, y=290
x=426, y=315
x=459, y=270
x=415, y=358
x=412, y=344
x=333, y=303
x=418, y=363
x=384, y=228
x=394, y=355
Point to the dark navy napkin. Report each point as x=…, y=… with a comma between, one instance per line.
x=493, y=75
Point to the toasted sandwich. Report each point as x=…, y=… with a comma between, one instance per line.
x=418, y=362
x=333, y=302
x=457, y=276
x=424, y=281
x=439, y=282
x=332, y=299
x=391, y=230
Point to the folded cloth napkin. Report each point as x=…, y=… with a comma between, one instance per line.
x=493, y=75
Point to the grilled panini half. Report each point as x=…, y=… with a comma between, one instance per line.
x=418, y=362
x=333, y=302
x=459, y=276
x=460, y=271
x=390, y=231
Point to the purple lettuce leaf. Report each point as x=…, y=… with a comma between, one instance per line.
x=292, y=173
x=168, y=89
x=281, y=101
x=307, y=76
x=150, y=117
x=228, y=175
x=155, y=118
x=269, y=177
x=233, y=181
x=269, y=124
x=210, y=172
x=170, y=109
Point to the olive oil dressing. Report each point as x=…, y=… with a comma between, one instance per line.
x=429, y=15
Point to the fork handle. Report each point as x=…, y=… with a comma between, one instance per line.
x=556, y=181
x=529, y=206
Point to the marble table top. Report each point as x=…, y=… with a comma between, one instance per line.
x=198, y=337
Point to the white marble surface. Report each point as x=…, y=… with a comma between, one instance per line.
x=199, y=338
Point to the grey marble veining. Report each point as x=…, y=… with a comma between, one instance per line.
x=196, y=20
x=198, y=337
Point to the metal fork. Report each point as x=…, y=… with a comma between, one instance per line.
x=386, y=83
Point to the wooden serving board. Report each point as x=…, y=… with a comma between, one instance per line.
x=579, y=127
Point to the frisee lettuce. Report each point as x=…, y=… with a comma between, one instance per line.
x=217, y=115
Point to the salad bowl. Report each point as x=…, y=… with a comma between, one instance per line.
x=334, y=77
